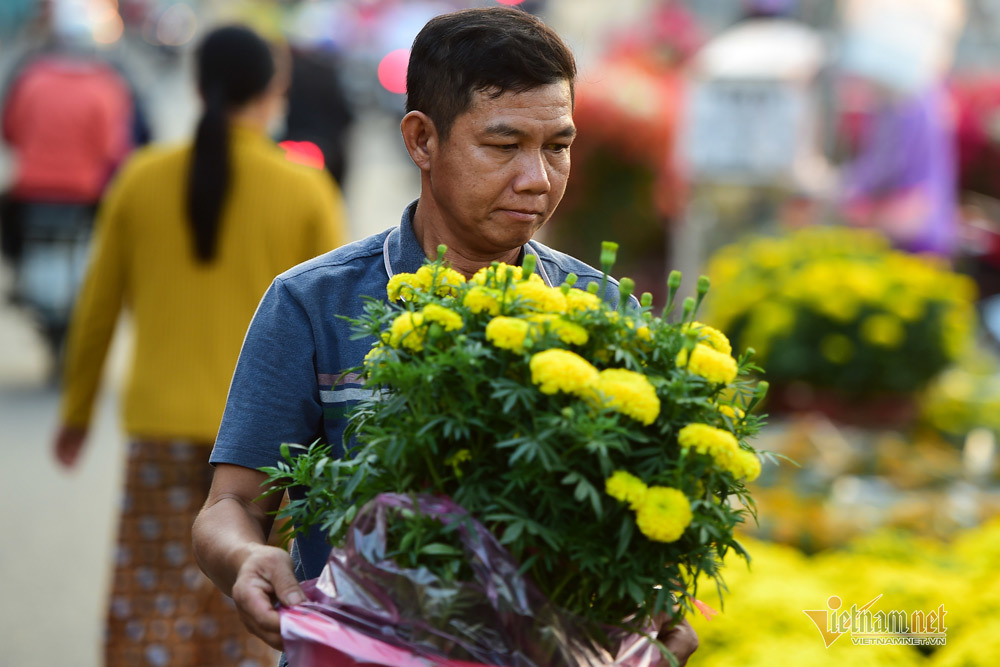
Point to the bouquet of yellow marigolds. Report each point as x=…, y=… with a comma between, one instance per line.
x=838, y=308
x=606, y=448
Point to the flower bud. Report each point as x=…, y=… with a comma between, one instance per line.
x=625, y=288
x=703, y=285
x=646, y=300
x=609, y=253
x=674, y=281
x=528, y=265
x=593, y=287
x=442, y=249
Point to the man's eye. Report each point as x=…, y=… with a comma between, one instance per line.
x=558, y=148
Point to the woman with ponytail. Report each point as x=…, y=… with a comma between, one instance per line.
x=187, y=240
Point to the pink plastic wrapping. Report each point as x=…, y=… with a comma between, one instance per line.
x=365, y=610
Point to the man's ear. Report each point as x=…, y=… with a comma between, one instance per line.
x=420, y=137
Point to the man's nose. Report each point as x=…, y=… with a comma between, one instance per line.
x=533, y=173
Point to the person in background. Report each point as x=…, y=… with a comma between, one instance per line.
x=318, y=108
x=489, y=126
x=68, y=121
x=188, y=239
x=903, y=178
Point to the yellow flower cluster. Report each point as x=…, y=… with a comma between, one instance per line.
x=562, y=371
x=883, y=330
x=662, y=513
x=508, y=333
x=629, y=393
x=502, y=273
x=538, y=297
x=709, y=363
x=442, y=281
x=626, y=487
x=731, y=411
x=578, y=300
x=568, y=332
x=911, y=573
x=480, y=299
x=447, y=318
x=407, y=331
x=850, y=277
x=710, y=336
x=621, y=390
x=723, y=447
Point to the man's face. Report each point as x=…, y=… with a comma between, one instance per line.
x=502, y=171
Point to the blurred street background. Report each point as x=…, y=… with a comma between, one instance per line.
x=833, y=166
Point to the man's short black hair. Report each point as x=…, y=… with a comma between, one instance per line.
x=493, y=50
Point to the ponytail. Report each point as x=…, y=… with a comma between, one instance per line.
x=235, y=66
x=208, y=177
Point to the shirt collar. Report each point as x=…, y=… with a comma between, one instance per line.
x=402, y=253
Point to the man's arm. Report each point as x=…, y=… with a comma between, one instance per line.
x=230, y=545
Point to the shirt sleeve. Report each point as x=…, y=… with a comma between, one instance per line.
x=274, y=396
x=97, y=307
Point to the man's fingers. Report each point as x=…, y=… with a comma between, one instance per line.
x=287, y=588
x=681, y=639
x=265, y=577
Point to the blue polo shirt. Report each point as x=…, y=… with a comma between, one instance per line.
x=293, y=382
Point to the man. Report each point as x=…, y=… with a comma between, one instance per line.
x=489, y=125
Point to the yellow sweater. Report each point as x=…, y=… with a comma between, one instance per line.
x=189, y=319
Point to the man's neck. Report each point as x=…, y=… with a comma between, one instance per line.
x=462, y=259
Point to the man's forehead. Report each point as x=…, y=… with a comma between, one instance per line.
x=504, y=113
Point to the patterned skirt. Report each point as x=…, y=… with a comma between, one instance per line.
x=163, y=610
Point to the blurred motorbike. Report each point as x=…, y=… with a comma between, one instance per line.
x=53, y=244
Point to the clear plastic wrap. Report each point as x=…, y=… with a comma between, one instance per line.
x=366, y=610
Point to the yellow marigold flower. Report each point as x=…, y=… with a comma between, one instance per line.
x=745, y=465
x=481, y=299
x=401, y=286
x=664, y=514
x=508, y=333
x=629, y=393
x=711, y=336
x=496, y=278
x=440, y=280
x=568, y=332
x=407, y=331
x=836, y=348
x=883, y=330
x=374, y=356
x=446, y=317
x=577, y=300
x=719, y=444
x=539, y=296
x=626, y=488
x=731, y=411
x=644, y=333
x=457, y=459
x=711, y=364
x=561, y=370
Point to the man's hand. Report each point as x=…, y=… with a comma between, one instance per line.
x=266, y=577
x=680, y=638
x=68, y=444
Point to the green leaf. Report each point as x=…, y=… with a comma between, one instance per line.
x=440, y=549
x=512, y=532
